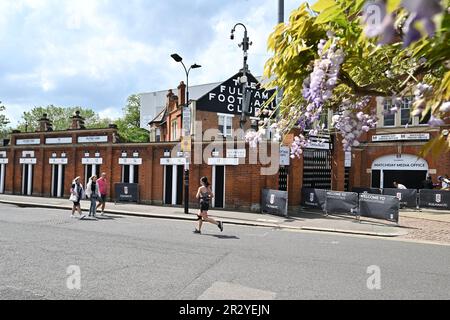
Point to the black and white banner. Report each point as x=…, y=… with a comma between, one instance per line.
x=126, y=192
x=407, y=197
x=274, y=202
x=379, y=206
x=366, y=190
x=314, y=198
x=341, y=202
x=435, y=199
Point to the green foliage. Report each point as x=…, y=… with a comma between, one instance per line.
x=129, y=126
x=3, y=122
x=60, y=117
x=369, y=69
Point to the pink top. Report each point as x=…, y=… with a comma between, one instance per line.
x=102, y=186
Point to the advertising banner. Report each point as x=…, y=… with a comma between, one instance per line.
x=435, y=199
x=314, y=198
x=341, y=202
x=379, y=206
x=275, y=202
x=408, y=197
x=126, y=192
x=366, y=190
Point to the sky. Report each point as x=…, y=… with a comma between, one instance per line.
x=96, y=53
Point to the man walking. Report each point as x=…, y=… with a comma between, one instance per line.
x=103, y=188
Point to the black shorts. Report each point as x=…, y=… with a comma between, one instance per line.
x=204, y=206
x=76, y=204
x=102, y=198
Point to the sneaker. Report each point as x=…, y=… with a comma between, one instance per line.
x=72, y=216
x=197, y=231
x=82, y=216
x=220, y=226
x=102, y=213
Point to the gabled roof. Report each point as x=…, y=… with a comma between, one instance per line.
x=160, y=118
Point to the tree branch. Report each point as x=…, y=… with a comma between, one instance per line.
x=369, y=89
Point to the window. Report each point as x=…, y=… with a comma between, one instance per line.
x=174, y=130
x=403, y=115
x=405, y=111
x=389, y=116
x=158, y=135
x=226, y=125
x=130, y=174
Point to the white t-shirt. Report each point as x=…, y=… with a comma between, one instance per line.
x=401, y=186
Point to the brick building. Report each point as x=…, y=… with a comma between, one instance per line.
x=44, y=163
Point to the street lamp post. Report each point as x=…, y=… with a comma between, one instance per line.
x=245, y=45
x=187, y=129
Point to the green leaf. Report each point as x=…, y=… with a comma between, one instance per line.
x=321, y=5
x=393, y=5
x=331, y=14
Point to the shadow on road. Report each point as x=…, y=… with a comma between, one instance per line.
x=222, y=237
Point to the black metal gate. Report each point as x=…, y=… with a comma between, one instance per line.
x=317, y=169
x=283, y=178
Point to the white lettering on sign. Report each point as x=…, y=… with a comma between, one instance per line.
x=223, y=161
x=93, y=139
x=348, y=159
x=92, y=161
x=65, y=140
x=401, y=137
x=317, y=145
x=285, y=156
x=130, y=161
x=403, y=162
x=58, y=161
x=229, y=96
x=173, y=161
x=28, y=161
x=236, y=153
x=4, y=161
x=27, y=142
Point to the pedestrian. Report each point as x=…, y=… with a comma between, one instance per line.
x=103, y=188
x=428, y=183
x=399, y=185
x=76, y=195
x=92, y=191
x=204, y=195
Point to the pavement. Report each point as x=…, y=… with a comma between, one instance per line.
x=305, y=220
x=46, y=255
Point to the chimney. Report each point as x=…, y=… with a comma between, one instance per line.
x=77, y=121
x=171, y=101
x=45, y=124
x=181, y=94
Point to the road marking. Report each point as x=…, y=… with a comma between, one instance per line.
x=232, y=291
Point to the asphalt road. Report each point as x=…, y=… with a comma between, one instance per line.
x=141, y=258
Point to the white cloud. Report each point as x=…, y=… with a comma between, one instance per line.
x=96, y=53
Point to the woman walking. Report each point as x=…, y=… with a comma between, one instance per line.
x=204, y=195
x=76, y=195
x=92, y=191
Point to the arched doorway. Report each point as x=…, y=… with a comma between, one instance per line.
x=407, y=169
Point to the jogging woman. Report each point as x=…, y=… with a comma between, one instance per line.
x=205, y=195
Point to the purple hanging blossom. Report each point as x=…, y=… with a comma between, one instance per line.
x=350, y=125
x=445, y=107
x=436, y=122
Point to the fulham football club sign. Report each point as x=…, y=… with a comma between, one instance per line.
x=227, y=98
